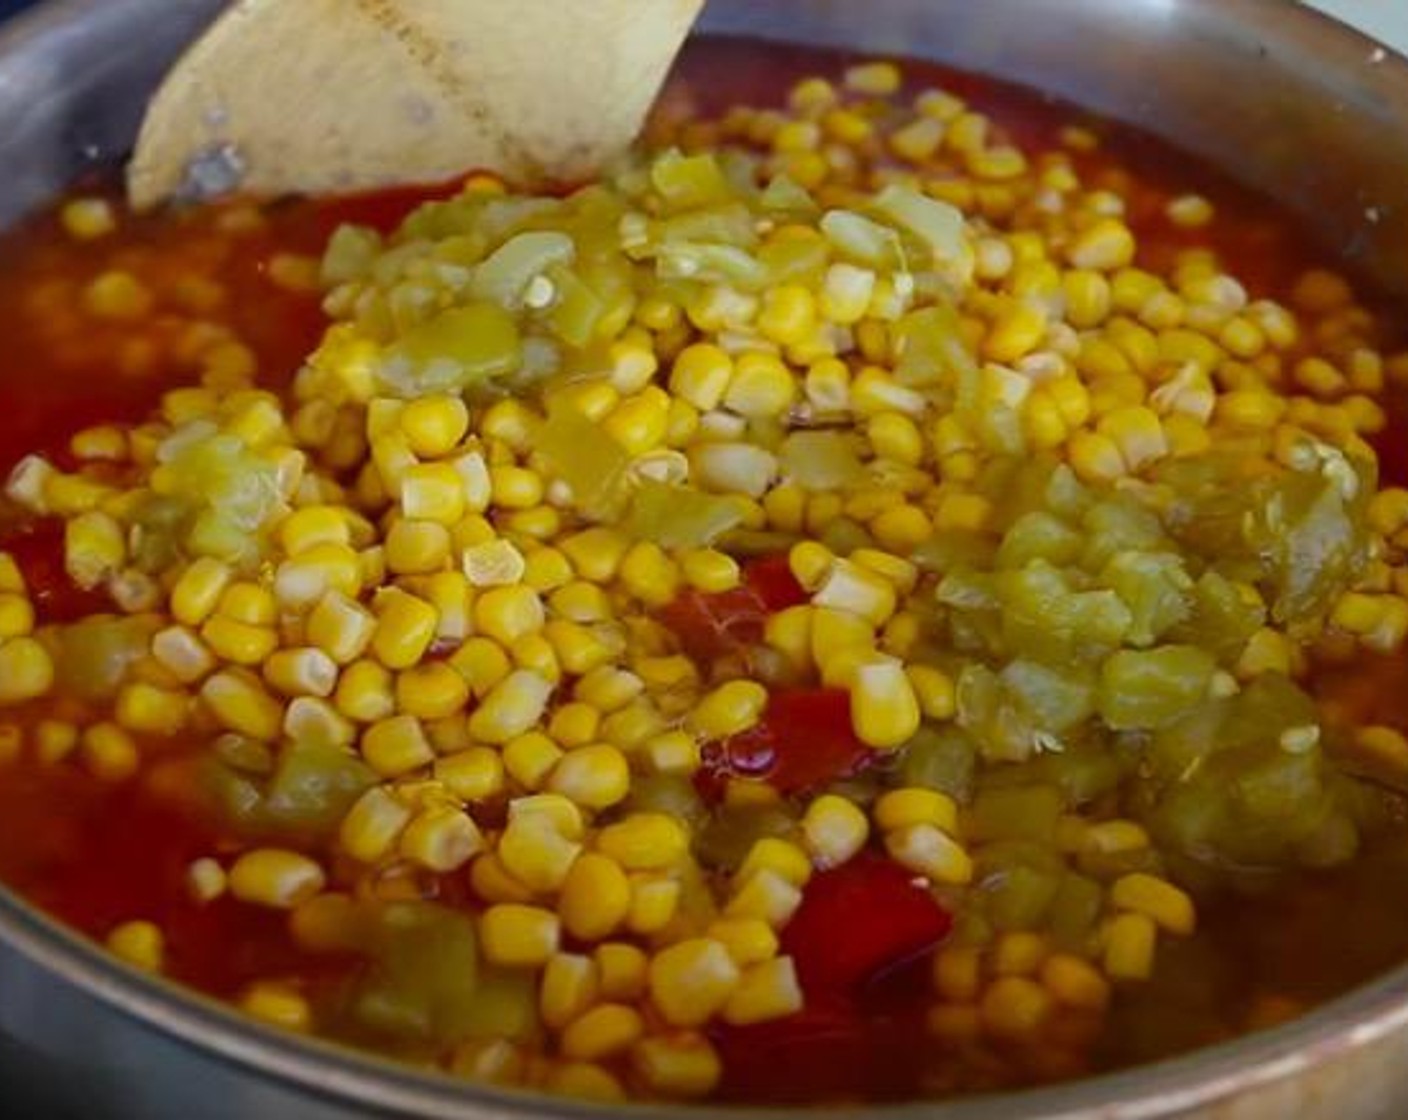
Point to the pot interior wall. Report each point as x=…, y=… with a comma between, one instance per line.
x=1294, y=107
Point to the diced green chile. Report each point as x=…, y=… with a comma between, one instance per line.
x=422, y=980
x=455, y=350
x=1152, y=688
x=1015, y=813
x=940, y=758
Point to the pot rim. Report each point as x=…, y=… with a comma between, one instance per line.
x=325, y=1069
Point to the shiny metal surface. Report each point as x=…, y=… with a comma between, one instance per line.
x=1283, y=98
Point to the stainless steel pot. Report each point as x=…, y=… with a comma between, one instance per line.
x=1284, y=98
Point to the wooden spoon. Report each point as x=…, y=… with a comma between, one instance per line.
x=318, y=96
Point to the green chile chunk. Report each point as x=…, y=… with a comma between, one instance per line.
x=1054, y=700
x=455, y=350
x=423, y=979
x=1152, y=688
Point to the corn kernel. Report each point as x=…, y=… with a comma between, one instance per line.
x=1075, y=982
x=1014, y=1007
x=206, y=880
x=961, y=512
x=761, y=387
x=312, y=526
x=623, y=969
x=902, y=808
x=249, y=603
x=570, y=986
x=373, y=825
x=432, y=492
x=654, y=904
x=781, y=857
x=94, y=548
x=833, y=830
x=198, y=591
x=529, y=759
x=494, y=563
x=492, y=882
x=515, y=487
x=238, y=642
x=516, y=936
x=275, y=878
x=701, y=375
x=603, y=1032
x=1096, y=457
x=476, y=774
x=88, y=219
x=1019, y=953
x=109, y=752
x=434, y=426
x=490, y=1062
x=957, y=973
x=1155, y=898
x=147, y=709
x=396, y=746
x=848, y=586
x=901, y=528
x=537, y=852
x=767, y=896
x=731, y=708
x=417, y=547
x=691, y=981
x=884, y=709
x=1017, y=331
x=678, y=1065
x=118, y=297
x=364, y=692
x=431, y=691
x=644, y=842
x=511, y=707
x=54, y=741
x=584, y=1081
x=140, y=944
x=926, y=850
x=595, y=776
x=277, y=1005
x=239, y=703
x=767, y=991
x=405, y=627
x=640, y=423
x=441, y=839
x=673, y=752
x=1129, y=947
x=317, y=571
x=596, y=897
x=11, y=578
x=1104, y=247
x=508, y=613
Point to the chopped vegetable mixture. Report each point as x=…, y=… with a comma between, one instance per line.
x=815, y=615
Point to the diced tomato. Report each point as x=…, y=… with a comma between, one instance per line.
x=38, y=550
x=770, y=578
x=857, y=939
x=858, y=922
x=804, y=740
x=711, y=625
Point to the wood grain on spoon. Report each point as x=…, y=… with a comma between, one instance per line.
x=318, y=96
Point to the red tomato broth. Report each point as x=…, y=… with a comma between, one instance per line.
x=56, y=821
x=94, y=855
